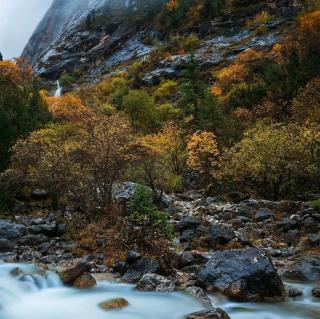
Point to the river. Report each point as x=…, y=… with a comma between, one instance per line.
x=27, y=292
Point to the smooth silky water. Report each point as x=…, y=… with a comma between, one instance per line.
x=35, y=294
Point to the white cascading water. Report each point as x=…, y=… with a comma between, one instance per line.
x=27, y=292
x=58, y=91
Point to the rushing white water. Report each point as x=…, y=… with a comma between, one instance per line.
x=304, y=307
x=31, y=293
x=42, y=296
x=58, y=91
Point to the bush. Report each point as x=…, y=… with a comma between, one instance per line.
x=142, y=211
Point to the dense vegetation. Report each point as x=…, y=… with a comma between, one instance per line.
x=251, y=126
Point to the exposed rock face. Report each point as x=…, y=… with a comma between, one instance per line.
x=245, y=275
x=67, y=37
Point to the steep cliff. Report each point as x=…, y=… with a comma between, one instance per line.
x=77, y=33
x=94, y=36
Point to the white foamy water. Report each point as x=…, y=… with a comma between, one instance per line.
x=36, y=294
x=33, y=296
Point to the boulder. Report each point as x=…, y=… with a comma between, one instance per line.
x=132, y=257
x=39, y=194
x=316, y=292
x=84, y=281
x=49, y=230
x=189, y=222
x=112, y=304
x=190, y=258
x=154, y=282
x=310, y=225
x=5, y=245
x=73, y=271
x=307, y=268
x=294, y=292
x=11, y=230
x=120, y=267
x=213, y=313
x=264, y=214
x=220, y=235
x=199, y=294
x=242, y=274
x=141, y=267
x=33, y=240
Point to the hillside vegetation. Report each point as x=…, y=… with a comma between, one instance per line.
x=247, y=126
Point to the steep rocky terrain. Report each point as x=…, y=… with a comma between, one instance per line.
x=96, y=36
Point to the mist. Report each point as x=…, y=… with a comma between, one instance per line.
x=18, y=20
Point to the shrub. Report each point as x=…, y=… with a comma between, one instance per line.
x=142, y=211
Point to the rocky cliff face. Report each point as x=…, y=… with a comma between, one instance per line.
x=78, y=33
x=94, y=36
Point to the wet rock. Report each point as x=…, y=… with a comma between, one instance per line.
x=189, y=258
x=117, y=303
x=39, y=194
x=73, y=271
x=120, y=267
x=11, y=230
x=132, y=257
x=307, y=268
x=310, y=225
x=264, y=214
x=214, y=313
x=85, y=281
x=286, y=224
x=291, y=237
x=49, y=230
x=33, y=240
x=141, y=267
x=316, y=292
x=294, y=292
x=242, y=274
x=154, y=282
x=220, y=234
x=314, y=240
x=199, y=294
x=189, y=222
x=5, y=245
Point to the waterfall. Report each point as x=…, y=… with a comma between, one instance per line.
x=58, y=90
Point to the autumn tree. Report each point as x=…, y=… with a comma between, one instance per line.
x=163, y=158
x=45, y=160
x=67, y=107
x=77, y=162
x=267, y=160
x=21, y=107
x=203, y=154
x=141, y=110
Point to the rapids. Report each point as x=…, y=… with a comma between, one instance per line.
x=27, y=292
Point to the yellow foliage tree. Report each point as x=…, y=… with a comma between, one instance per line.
x=203, y=153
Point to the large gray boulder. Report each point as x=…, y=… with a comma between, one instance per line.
x=242, y=274
x=307, y=268
x=11, y=230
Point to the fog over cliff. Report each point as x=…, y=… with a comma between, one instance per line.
x=18, y=20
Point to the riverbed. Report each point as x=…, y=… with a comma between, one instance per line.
x=27, y=292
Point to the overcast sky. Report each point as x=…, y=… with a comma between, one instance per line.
x=18, y=19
